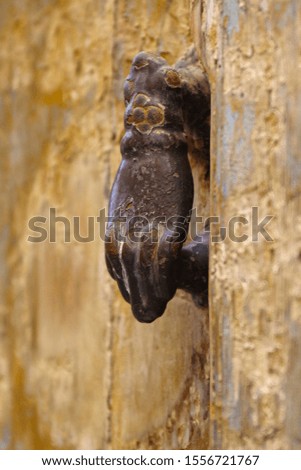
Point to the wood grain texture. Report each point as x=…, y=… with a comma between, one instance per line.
x=76, y=369
x=251, y=51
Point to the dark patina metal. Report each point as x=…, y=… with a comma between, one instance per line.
x=167, y=113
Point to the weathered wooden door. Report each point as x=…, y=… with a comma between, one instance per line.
x=76, y=369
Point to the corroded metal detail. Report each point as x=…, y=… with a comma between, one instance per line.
x=152, y=195
x=196, y=106
x=145, y=116
x=192, y=270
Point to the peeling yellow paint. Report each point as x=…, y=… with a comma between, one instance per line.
x=76, y=370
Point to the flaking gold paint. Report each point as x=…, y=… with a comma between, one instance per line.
x=76, y=369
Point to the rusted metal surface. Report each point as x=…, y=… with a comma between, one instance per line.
x=167, y=111
x=192, y=270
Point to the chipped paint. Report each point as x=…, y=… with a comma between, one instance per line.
x=76, y=370
x=252, y=51
x=231, y=13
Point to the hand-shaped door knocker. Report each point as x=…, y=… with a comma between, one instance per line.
x=167, y=111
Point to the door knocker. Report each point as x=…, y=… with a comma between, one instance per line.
x=167, y=113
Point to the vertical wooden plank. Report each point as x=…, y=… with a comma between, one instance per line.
x=251, y=50
x=77, y=370
x=160, y=371
x=57, y=136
